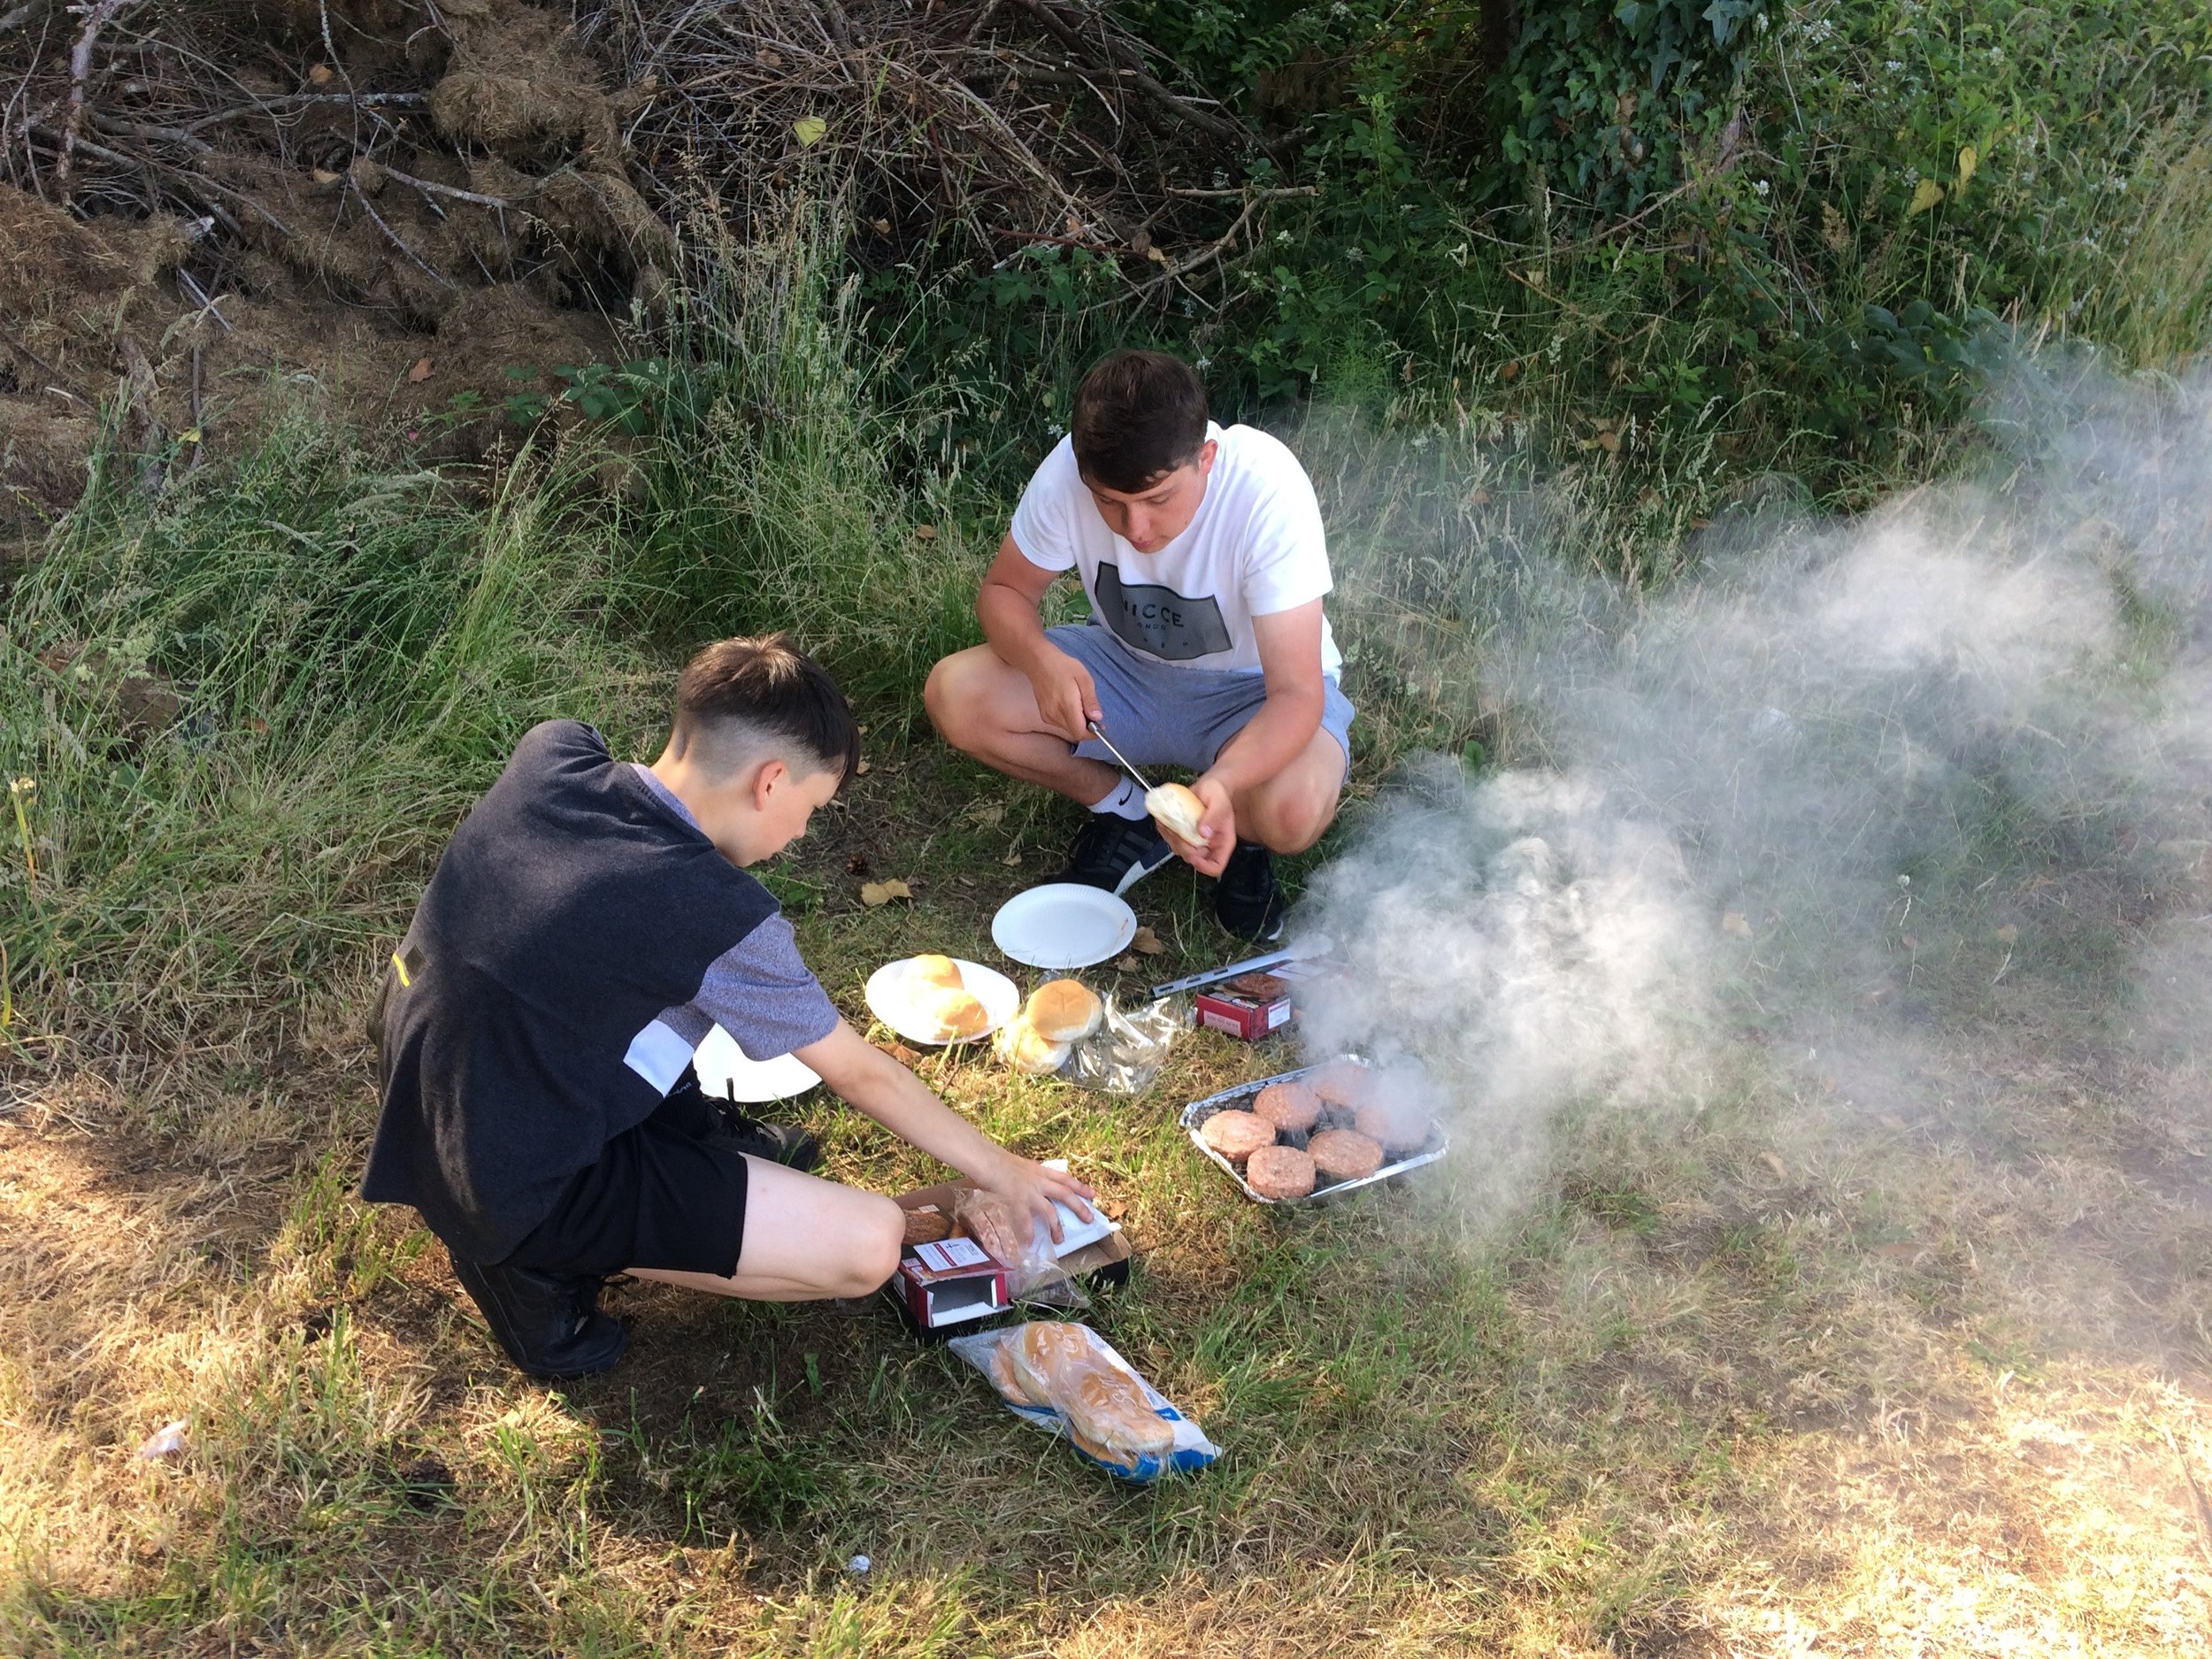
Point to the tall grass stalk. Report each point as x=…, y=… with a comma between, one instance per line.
x=779, y=505
x=354, y=648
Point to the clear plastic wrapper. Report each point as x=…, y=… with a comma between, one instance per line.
x=1066, y=1379
x=1126, y=1052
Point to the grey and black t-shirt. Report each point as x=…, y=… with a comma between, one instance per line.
x=578, y=939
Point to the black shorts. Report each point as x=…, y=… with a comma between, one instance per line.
x=659, y=1197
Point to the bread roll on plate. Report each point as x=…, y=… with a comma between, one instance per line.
x=1180, y=811
x=931, y=969
x=948, y=1012
x=1064, y=1010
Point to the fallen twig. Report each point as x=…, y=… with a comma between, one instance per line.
x=431, y=187
x=391, y=235
x=8, y=336
x=302, y=100
x=40, y=129
x=24, y=15
x=1214, y=249
x=98, y=16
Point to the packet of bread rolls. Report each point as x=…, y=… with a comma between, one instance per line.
x=1066, y=1379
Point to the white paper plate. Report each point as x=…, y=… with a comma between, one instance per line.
x=888, y=1001
x=1063, y=925
x=726, y=1072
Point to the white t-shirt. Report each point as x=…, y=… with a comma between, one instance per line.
x=1256, y=546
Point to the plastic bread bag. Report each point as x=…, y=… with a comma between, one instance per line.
x=1067, y=1379
x=1129, y=1047
x=1033, y=1272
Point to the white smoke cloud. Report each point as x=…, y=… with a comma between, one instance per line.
x=1852, y=779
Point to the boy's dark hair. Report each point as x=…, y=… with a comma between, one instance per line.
x=1139, y=415
x=743, y=701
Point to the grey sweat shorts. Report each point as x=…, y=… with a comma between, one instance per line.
x=1163, y=715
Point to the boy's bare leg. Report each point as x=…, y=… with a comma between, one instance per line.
x=805, y=1239
x=986, y=708
x=1292, y=810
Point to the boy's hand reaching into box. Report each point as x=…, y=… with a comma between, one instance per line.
x=876, y=1084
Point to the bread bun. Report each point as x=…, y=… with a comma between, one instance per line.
x=1179, y=811
x=951, y=1014
x=1004, y=1379
x=1280, y=1172
x=935, y=969
x=1062, y=1365
x=1064, y=1010
x=1292, y=1107
x=1028, y=1050
x=1236, y=1134
x=1344, y=1155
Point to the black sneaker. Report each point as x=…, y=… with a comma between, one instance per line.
x=778, y=1143
x=549, y=1323
x=1115, y=853
x=1247, y=902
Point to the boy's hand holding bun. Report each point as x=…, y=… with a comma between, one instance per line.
x=1199, y=822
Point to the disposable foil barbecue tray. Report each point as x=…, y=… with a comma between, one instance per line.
x=1240, y=1098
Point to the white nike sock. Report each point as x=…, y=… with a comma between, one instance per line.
x=1126, y=800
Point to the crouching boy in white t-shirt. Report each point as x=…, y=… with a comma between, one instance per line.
x=1201, y=550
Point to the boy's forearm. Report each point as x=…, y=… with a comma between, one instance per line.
x=1012, y=624
x=878, y=1086
x=1270, y=740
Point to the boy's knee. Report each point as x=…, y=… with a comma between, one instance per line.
x=1298, y=817
x=943, y=697
x=872, y=1253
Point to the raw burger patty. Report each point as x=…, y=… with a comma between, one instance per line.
x=1290, y=1107
x=1341, y=1084
x=926, y=1227
x=1400, y=1127
x=1344, y=1155
x=1236, y=1134
x=1280, y=1172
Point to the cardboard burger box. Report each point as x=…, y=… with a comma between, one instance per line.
x=950, y=1283
x=1255, y=1005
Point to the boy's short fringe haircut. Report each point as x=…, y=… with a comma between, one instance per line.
x=766, y=694
x=1139, y=415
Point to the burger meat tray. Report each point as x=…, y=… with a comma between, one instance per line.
x=1241, y=1097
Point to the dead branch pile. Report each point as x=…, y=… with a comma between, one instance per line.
x=1009, y=123
x=398, y=152
x=428, y=212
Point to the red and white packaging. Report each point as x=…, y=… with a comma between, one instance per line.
x=946, y=1282
x=1252, y=1005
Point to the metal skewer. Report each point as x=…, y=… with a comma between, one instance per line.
x=1248, y=965
x=1142, y=782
